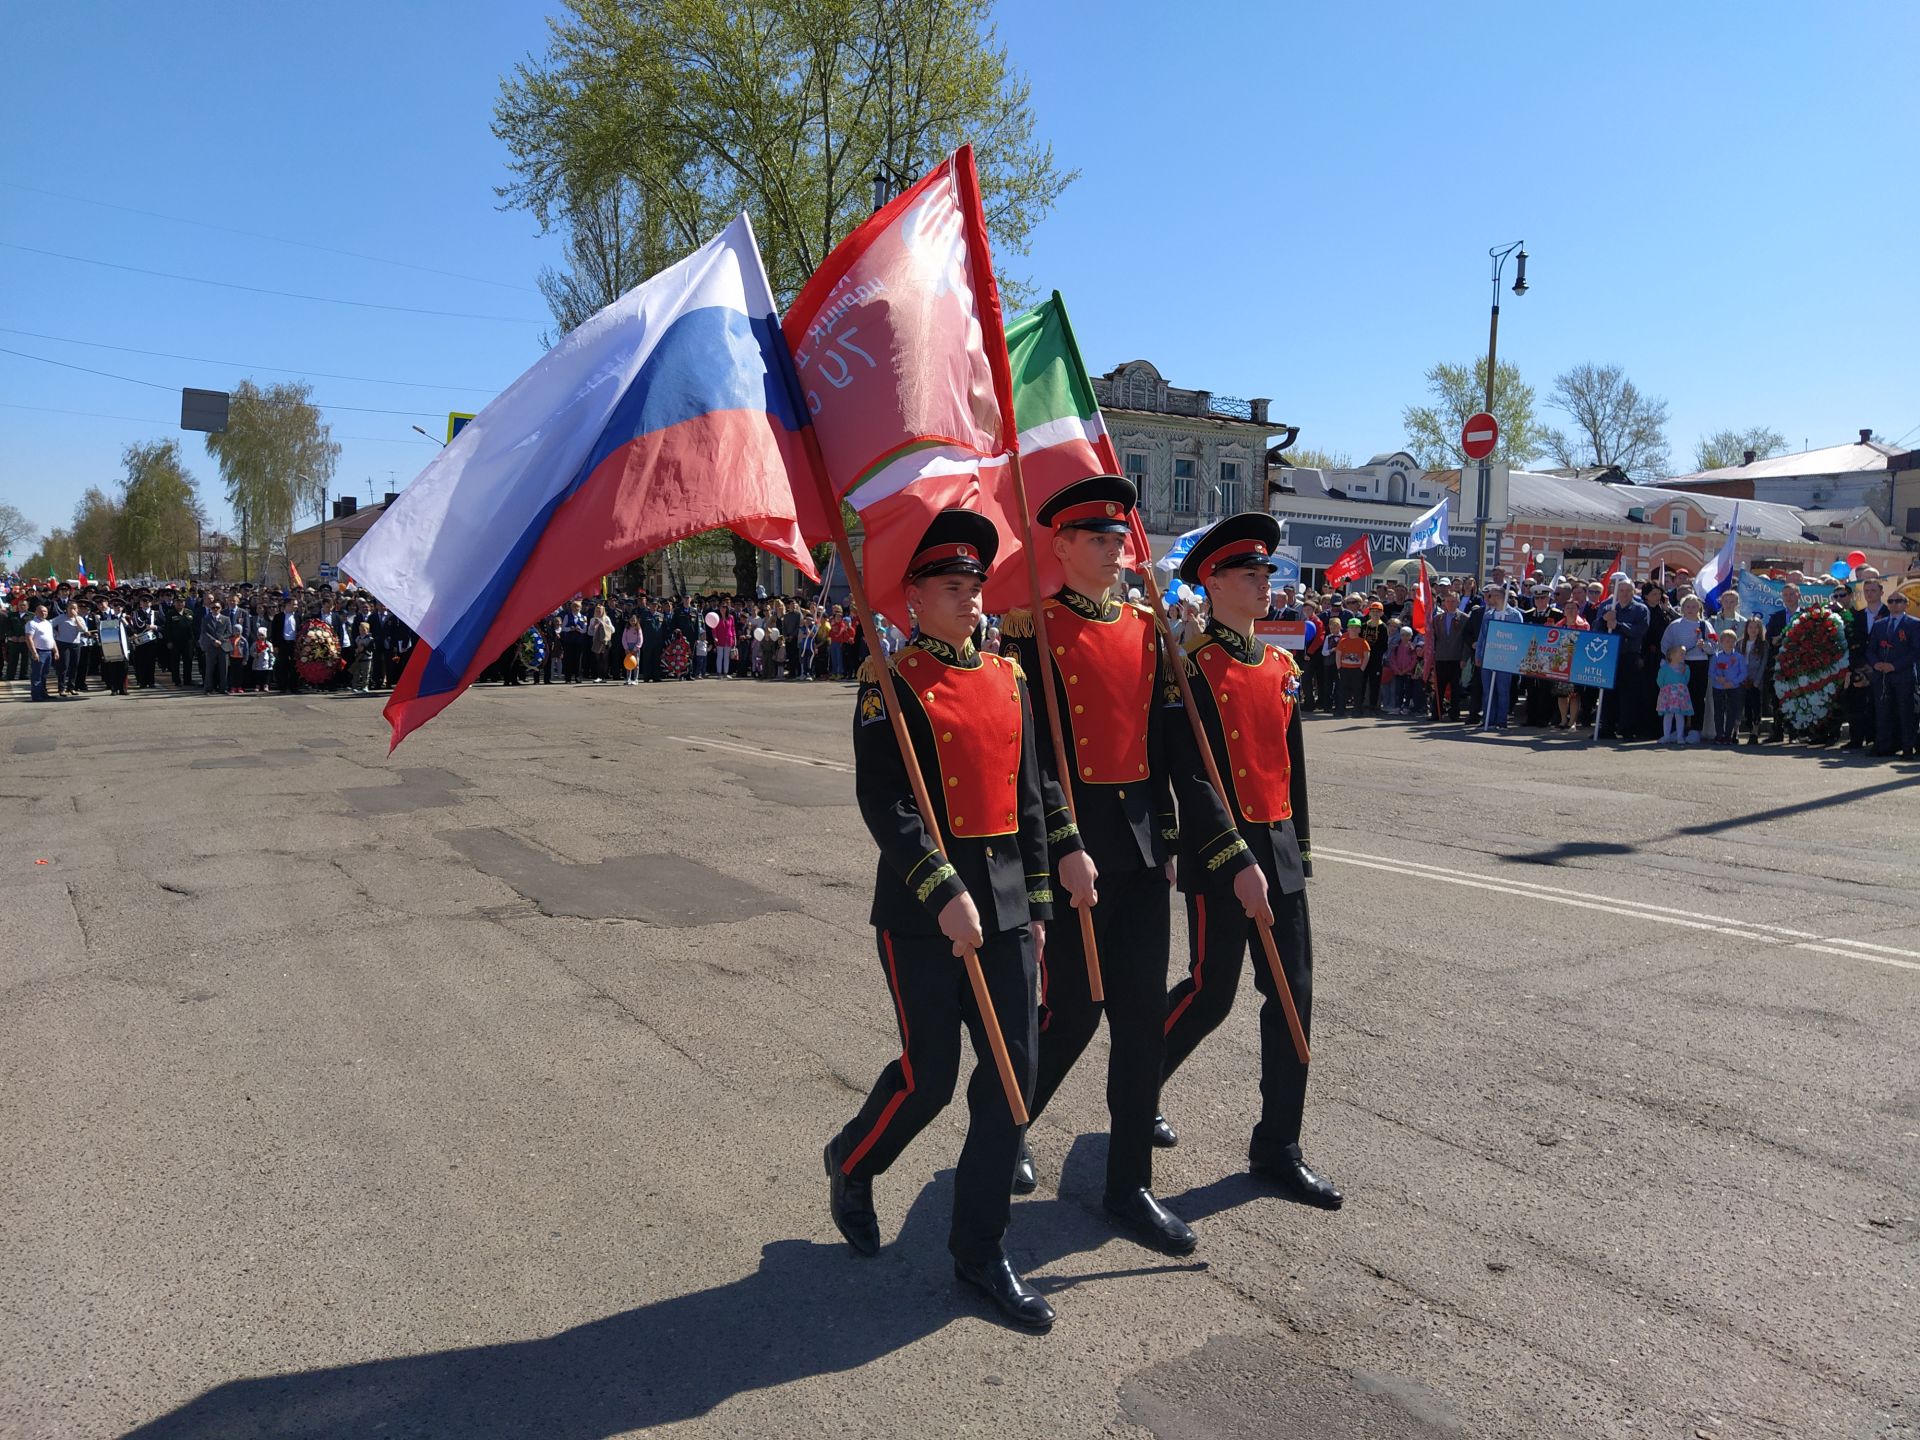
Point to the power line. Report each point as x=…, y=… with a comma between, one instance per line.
x=245, y=365
x=156, y=385
x=272, y=239
x=260, y=290
x=167, y=422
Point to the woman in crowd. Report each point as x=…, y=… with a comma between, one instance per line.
x=1695, y=638
x=726, y=636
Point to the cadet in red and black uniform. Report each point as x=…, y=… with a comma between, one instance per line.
x=972, y=730
x=1110, y=671
x=1245, y=691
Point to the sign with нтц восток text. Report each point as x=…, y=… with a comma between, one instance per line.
x=1552, y=652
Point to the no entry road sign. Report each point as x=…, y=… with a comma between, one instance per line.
x=1479, y=435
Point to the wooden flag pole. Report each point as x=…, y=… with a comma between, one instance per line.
x=857, y=591
x=1061, y=760
x=1274, y=967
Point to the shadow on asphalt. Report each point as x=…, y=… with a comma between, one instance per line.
x=812, y=1308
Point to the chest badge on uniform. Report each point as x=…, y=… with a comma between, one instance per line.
x=872, y=708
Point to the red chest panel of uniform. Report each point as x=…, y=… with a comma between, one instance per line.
x=975, y=715
x=1256, y=706
x=1107, y=669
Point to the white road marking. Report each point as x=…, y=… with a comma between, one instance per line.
x=1753, y=931
x=760, y=752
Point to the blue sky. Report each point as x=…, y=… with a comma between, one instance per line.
x=1280, y=200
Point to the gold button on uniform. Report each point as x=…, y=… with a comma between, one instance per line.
x=1079, y=709
x=1243, y=772
x=989, y=852
x=1073, y=679
x=1123, y=792
x=947, y=736
x=1086, y=770
x=1234, y=736
x=1086, y=740
x=1059, y=649
x=953, y=780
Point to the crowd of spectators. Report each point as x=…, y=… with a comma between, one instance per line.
x=68, y=641
x=1683, y=676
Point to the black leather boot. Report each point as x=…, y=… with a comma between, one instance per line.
x=852, y=1204
x=1015, y=1299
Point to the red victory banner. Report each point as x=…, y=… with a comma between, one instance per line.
x=890, y=339
x=1354, y=563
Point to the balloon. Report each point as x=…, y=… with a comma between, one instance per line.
x=633, y=662
x=1856, y=557
x=1839, y=570
x=1134, y=594
x=711, y=619
x=759, y=632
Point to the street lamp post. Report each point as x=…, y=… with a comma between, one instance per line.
x=1498, y=254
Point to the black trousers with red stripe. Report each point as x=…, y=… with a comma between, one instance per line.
x=1131, y=925
x=932, y=1001
x=1219, y=939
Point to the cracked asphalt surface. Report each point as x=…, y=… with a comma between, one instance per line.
x=480, y=1091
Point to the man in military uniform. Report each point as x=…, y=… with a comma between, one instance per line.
x=1110, y=672
x=1244, y=691
x=972, y=731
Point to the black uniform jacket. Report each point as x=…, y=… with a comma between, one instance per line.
x=1281, y=848
x=1126, y=826
x=1007, y=874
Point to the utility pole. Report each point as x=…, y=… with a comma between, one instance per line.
x=1499, y=255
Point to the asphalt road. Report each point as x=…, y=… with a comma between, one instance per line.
x=479, y=1091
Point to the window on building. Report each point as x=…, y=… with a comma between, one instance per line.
x=1183, y=476
x=1229, y=491
x=1678, y=523
x=1134, y=466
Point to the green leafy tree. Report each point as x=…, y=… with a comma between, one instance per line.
x=1459, y=392
x=160, y=512
x=55, y=557
x=785, y=109
x=1613, y=423
x=96, y=529
x=1729, y=447
x=277, y=458
x=613, y=243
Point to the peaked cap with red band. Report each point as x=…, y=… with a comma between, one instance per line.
x=1246, y=539
x=958, y=542
x=1101, y=503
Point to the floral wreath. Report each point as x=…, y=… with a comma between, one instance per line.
x=317, y=653
x=1811, y=667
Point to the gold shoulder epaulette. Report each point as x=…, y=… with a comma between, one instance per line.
x=1013, y=664
x=1145, y=610
x=869, y=671
x=1016, y=624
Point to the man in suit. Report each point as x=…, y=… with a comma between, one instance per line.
x=1449, y=642
x=1624, y=614
x=1893, y=648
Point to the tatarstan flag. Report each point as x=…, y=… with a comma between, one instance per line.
x=1062, y=439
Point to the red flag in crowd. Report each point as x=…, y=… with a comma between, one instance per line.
x=110, y=580
x=293, y=573
x=1422, y=601
x=1353, y=563
x=1612, y=570
x=899, y=346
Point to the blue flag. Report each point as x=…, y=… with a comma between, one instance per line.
x=1429, y=532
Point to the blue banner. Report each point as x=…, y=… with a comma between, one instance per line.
x=1552, y=652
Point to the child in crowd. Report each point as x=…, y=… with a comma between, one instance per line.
x=1753, y=649
x=363, y=659
x=262, y=660
x=1351, y=655
x=1674, y=702
x=1728, y=673
x=1395, y=669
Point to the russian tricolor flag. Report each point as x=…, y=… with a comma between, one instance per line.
x=672, y=411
